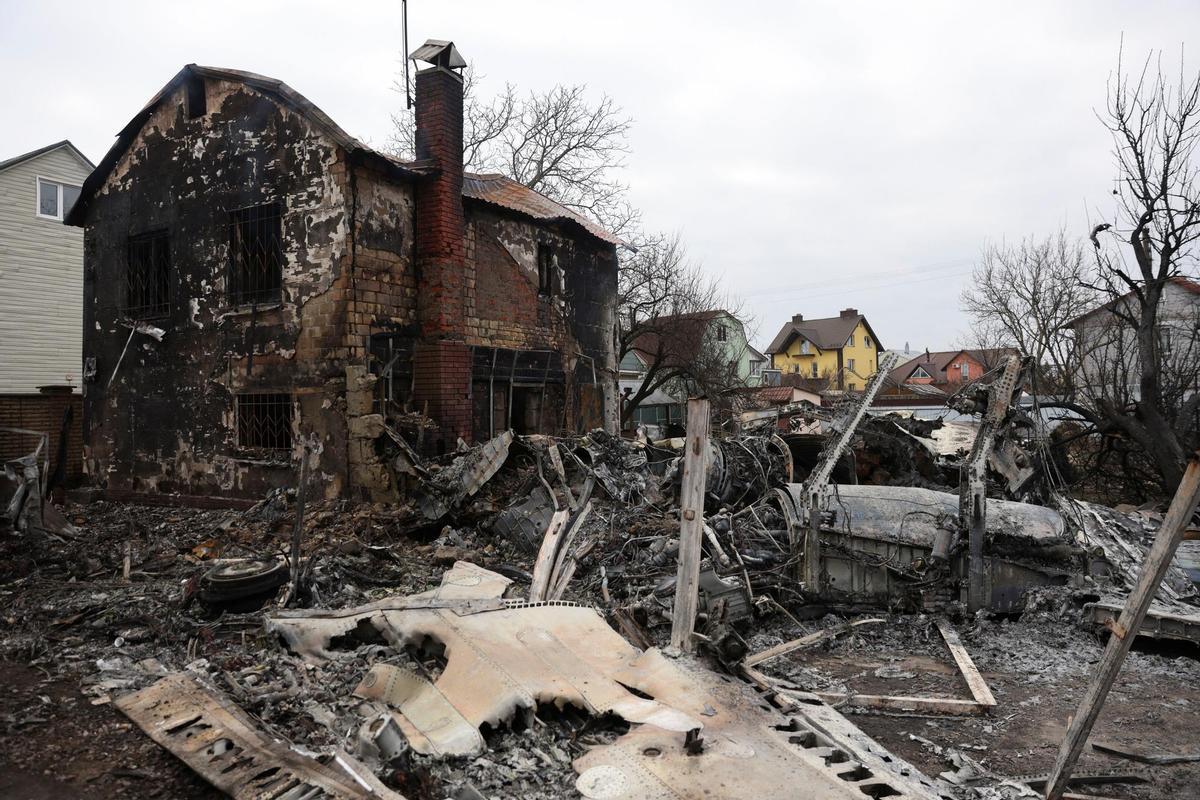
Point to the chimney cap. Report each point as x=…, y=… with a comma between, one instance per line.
x=440, y=53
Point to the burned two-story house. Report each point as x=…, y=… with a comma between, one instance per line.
x=259, y=284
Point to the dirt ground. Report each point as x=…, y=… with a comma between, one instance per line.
x=73, y=631
x=1037, y=669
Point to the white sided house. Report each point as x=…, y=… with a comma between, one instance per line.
x=41, y=270
x=41, y=302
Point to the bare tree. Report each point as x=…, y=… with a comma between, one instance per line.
x=1024, y=296
x=1155, y=125
x=559, y=142
x=1131, y=367
x=665, y=302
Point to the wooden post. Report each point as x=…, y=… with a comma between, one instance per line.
x=293, y=592
x=1126, y=628
x=691, y=524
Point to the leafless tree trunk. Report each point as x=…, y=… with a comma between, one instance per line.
x=1131, y=367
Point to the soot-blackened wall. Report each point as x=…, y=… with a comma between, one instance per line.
x=161, y=415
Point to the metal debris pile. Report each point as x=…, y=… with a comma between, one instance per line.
x=504, y=632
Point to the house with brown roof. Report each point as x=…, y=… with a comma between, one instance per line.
x=842, y=350
x=931, y=377
x=260, y=284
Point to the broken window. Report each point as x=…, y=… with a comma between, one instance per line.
x=147, y=273
x=545, y=260
x=264, y=421
x=195, y=101
x=256, y=254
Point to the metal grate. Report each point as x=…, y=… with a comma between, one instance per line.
x=147, y=276
x=256, y=255
x=264, y=421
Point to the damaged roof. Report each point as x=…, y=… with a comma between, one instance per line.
x=504, y=192
x=496, y=190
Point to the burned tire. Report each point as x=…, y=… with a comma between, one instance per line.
x=241, y=580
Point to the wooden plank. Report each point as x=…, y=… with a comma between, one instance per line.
x=978, y=686
x=1158, y=759
x=804, y=641
x=883, y=702
x=545, y=560
x=691, y=524
x=1125, y=630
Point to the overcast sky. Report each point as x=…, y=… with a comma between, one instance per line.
x=816, y=155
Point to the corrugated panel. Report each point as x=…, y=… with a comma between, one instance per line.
x=41, y=281
x=507, y=193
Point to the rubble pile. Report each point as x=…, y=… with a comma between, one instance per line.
x=504, y=633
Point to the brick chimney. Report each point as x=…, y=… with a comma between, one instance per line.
x=797, y=319
x=440, y=225
x=441, y=359
x=849, y=312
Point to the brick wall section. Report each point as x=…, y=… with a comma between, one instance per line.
x=442, y=378
x=42, y=412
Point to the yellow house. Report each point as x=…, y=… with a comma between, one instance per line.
x=843, y=350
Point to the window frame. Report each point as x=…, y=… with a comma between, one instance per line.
x=37, y=196
x=236, y=295
x=545, y=269
x=243, y=446
x=722, y=333
x=148, y=312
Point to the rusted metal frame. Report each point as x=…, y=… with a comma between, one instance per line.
x=691, y=524
x=816, y=488
x=1125, y=630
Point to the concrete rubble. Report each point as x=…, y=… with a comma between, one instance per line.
x=502, y=631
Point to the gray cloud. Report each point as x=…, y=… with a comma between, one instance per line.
x=817, y=155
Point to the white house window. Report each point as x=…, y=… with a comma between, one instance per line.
x=866, y=341
x=850, y=364
x=54, y=199
x=966, y=371
x=755, y=368
x=814, y=369
x=804, y=348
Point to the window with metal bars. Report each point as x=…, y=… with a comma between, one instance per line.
x=256, y=255
x=147, y=276
x=264, y=421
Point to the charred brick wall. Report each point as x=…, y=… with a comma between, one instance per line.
x=575, y=317
x=161, y=416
